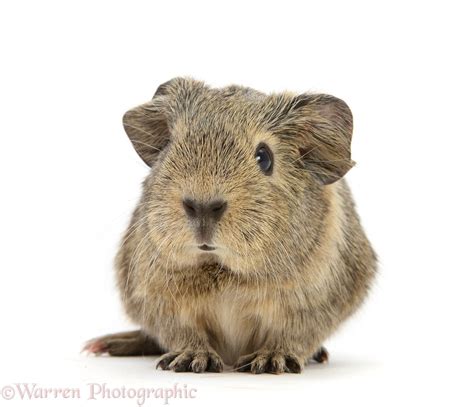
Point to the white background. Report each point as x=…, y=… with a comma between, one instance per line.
x=70, y=179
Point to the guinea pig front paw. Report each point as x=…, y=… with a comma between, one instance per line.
x=196, y=361
x=269, y=362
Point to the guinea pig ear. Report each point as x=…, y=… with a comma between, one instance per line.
x=322, y=126
x=147, y=126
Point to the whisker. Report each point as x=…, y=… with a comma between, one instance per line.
x=125, y=124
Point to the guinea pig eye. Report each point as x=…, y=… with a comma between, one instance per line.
x=264, y=158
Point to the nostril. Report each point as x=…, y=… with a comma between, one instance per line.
x=190, y=207
x=218, y=208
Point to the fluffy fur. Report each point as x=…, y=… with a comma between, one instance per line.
x=292, y=260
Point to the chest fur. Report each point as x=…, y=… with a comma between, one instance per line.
x=234, y=325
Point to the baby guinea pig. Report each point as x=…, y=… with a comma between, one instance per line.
x=245, y=248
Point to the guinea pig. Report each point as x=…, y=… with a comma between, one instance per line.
x=245, y=248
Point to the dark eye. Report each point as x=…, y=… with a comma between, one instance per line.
x=264, y=158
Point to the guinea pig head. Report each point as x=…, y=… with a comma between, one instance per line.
x=238, y=177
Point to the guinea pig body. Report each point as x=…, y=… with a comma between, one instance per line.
x=245, y=248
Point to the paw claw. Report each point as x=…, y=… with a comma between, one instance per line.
x=164, y=361
x=191, y=361
x=269, y=362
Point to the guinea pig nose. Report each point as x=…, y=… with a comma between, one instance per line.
x=209, y=210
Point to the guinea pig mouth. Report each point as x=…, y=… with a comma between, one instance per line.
x=206, y=248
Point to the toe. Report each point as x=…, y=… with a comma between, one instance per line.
x=200, y=362
x=182, y=362
x=293, y=365
x=277, y=364
x=322, y=355
x=215, y=364
x=164, y=361
x=259, y=364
